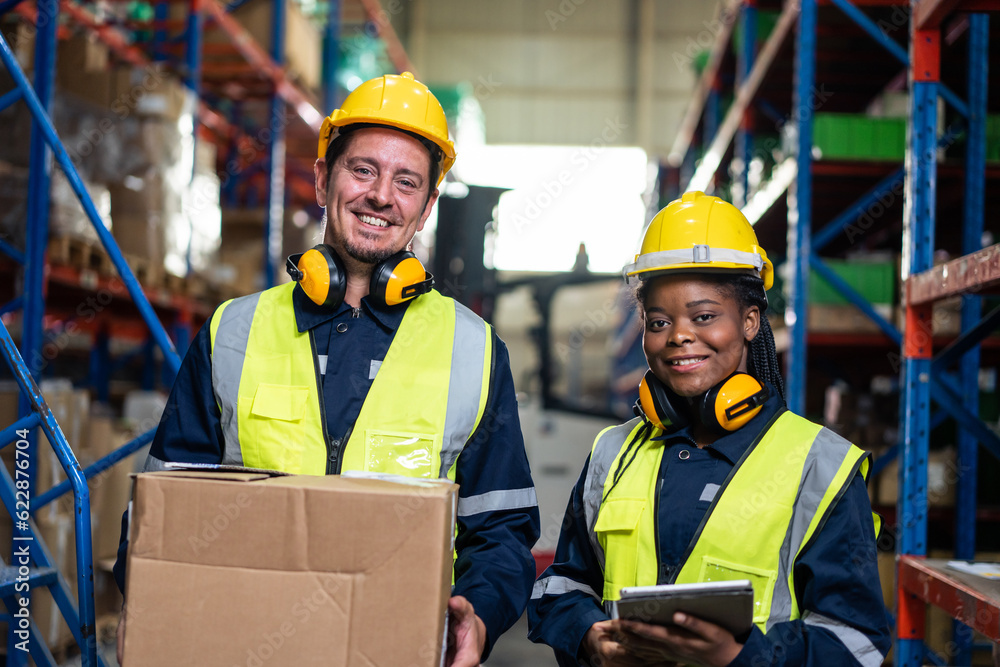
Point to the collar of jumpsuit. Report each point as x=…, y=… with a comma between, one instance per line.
x=733, y=445
x=309, y=315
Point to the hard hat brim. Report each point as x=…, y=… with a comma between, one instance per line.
x=701, y=259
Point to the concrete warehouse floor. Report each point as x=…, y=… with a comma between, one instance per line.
x=514, y=650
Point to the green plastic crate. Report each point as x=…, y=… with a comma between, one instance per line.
x=876, y=281
x=766, y=20
x=859, y=137
x=993, y=138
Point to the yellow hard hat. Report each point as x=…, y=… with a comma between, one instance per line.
x=700, y=233
x=398, y=101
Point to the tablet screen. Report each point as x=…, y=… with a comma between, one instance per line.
x=725, y=603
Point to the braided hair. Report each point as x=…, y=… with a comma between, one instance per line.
x=746, y=290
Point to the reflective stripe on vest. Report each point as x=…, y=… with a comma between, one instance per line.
x=784, y=486
x=624, y=522
x=228, y=353
x=425, y=403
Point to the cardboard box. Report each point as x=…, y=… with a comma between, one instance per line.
x=942, y=475
x=245, y=569
x=85, y=52
x=846, y=319
x=303, y=41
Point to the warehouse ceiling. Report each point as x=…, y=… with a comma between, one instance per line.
x=564, y=71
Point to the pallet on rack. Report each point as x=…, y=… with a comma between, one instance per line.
x=148, y=273
x=80, y=254
x=173, y=284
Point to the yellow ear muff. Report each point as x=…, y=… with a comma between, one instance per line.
x=315, y=276
x=647, y=404
x=320, y=274
x=399, y=279
x=660, y=406
x=732, y=403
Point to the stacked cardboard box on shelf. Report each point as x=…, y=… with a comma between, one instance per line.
x=130, y=134
x=303, y=41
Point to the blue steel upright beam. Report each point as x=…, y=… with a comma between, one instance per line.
x=39, y=180
x=192, y=80
x=920, y=196
x=161, y=13
x=744, y=138
x=800, y=209
x=276, y=162
x=975, y=177
x=331, y=56
x=193, y=48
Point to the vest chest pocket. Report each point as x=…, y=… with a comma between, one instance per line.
x=407, y=454
x=282, y=402
x=716, y=569
x=617, y=528
x=276, y=417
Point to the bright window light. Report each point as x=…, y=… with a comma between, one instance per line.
x=562, y=196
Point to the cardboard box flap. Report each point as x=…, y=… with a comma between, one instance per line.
x=219, y=467
x=216, y=519
x=220, y=475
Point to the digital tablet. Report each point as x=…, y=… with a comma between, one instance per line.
x=725, y=603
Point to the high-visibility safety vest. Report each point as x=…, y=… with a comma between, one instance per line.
x=763, y=516
x=426, y=400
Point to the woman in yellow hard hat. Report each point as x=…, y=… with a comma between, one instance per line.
x=714, y=480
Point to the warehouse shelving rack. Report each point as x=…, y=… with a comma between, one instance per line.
x=259, y=73
x=918, y=580
x=17, y=497
x=925, y=376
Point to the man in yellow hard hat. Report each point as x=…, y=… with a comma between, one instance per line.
x=397, y=377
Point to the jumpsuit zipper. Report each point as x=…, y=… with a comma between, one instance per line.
x=335, y=446
x=322, y=404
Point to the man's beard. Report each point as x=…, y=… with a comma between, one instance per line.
x=358, y=253
x=371, y=256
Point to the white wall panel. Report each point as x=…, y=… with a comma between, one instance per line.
x=521, y=61
x=529, y=15
x=668, y=111
x=556, y=71
x=534, y=119
x=673, y=71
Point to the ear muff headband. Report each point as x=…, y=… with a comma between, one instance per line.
x=729, y=405
x=399, y=279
